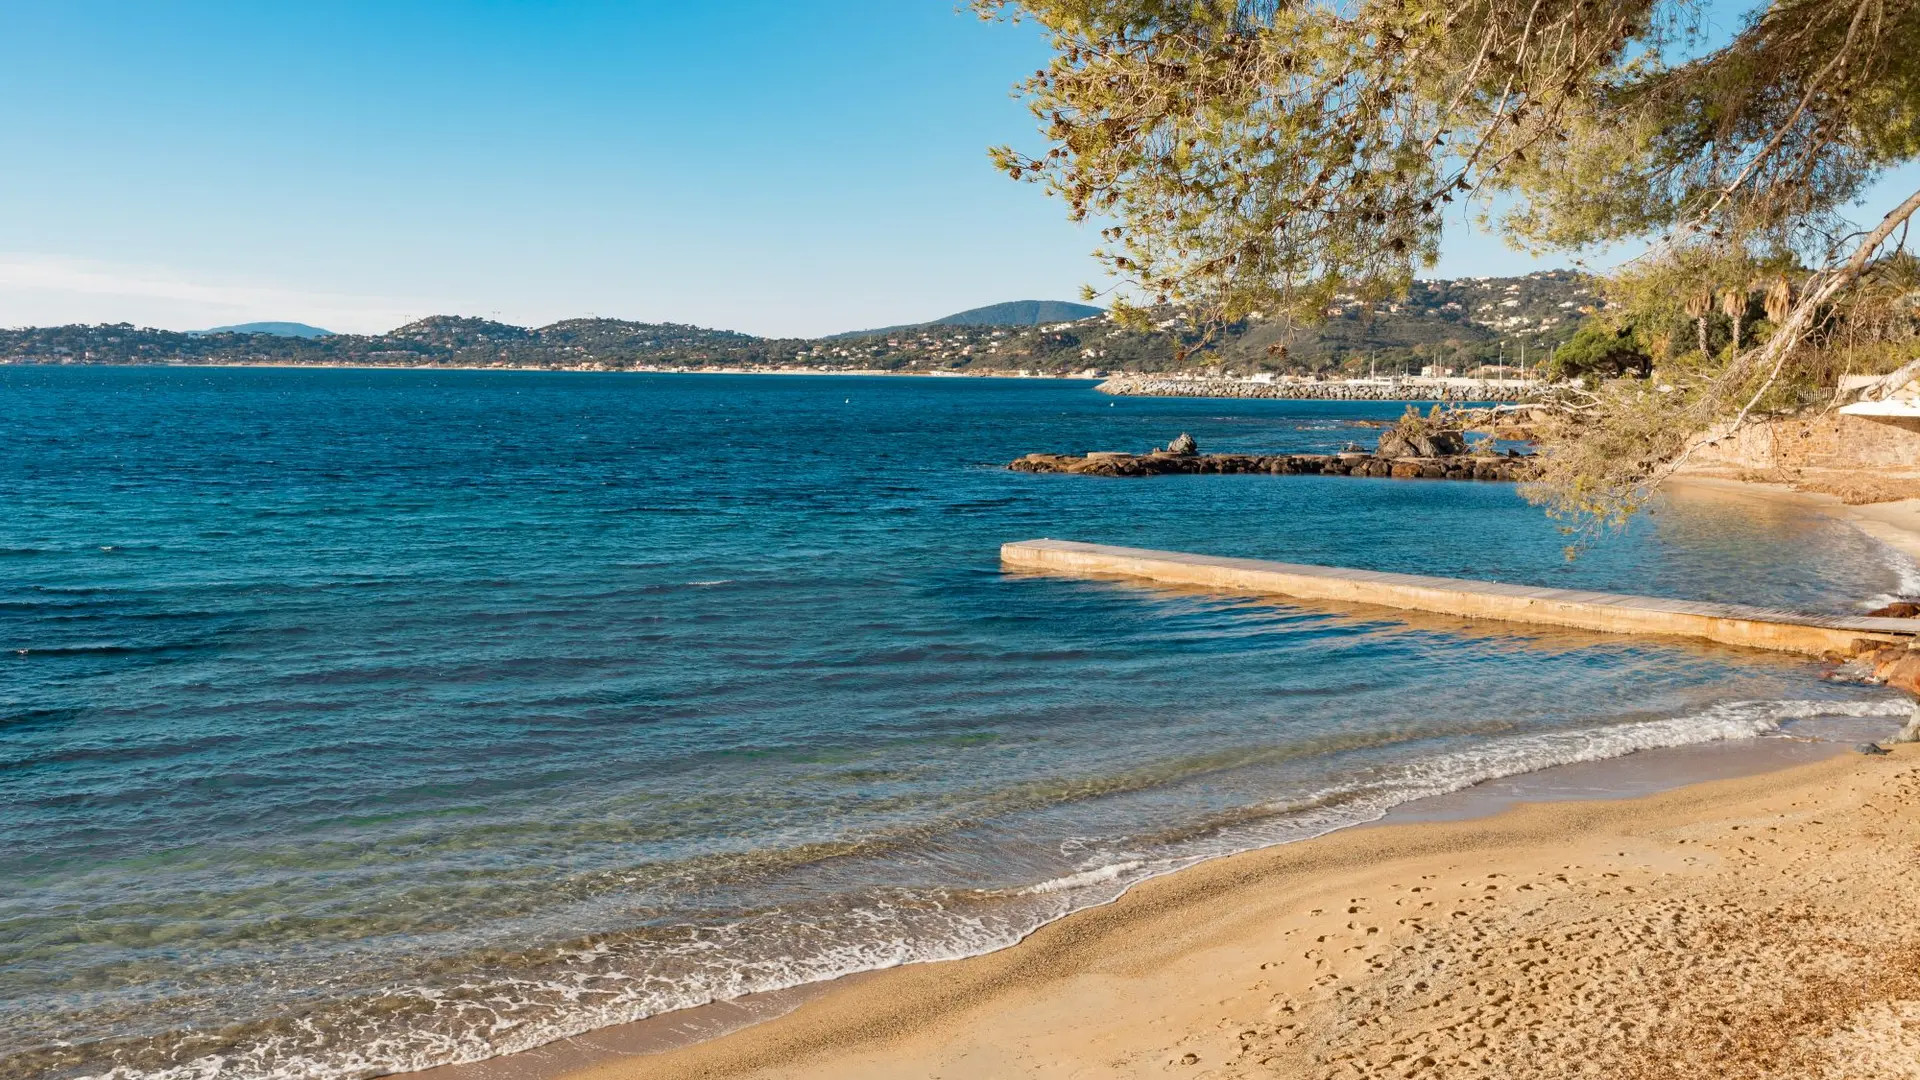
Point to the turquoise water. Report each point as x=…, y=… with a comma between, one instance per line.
x=356, y=721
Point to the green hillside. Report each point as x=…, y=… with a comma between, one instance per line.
x=1458, y=323
x=1021, y=313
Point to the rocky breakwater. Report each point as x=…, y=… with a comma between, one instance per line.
x=1442, y=459
x=1897, y=666
x=1311, y=390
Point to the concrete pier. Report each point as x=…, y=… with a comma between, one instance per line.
x=1612, y=613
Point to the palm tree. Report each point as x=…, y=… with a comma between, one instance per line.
x=1779, y=298
x=1699, y=306
x=1733, y=304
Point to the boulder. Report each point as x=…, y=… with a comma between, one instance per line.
x=1185, y=446
x=1899, y=609
x=1396, y=444
x=1873, y=655
x=1901, y=673
x=1393, y=445
x=1440, y=444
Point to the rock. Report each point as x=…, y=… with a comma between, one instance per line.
x=1440, y=444
x=1899, y=609
x=1910, y=733
x=1876, y=656
x=1184, y=446
x=1901, y=673
x=1395, y=444
x=1166, y=463
x=1392, y=444
x=1874, y=749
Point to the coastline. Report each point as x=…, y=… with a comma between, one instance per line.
x=1895, y=524
x=1367, y=392
x=1140, y=985
x=580, y=369
x=1602, y=934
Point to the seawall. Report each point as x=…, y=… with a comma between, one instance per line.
x=1612, y=613
x=1474, y=390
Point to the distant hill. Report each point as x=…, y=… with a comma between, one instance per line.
x=1011, y=313
x=1021, y=313
x=1461, y=323
x=277, y=329
x=459, y=332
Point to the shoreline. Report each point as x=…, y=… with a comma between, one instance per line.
x=1246, y=963
x=811, y=1019
x=1095, y=381
x=579, y=370
x=865, y=1024
x=1895, y=524
x=1392, y=389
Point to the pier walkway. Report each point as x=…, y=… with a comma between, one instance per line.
x=1729, y=624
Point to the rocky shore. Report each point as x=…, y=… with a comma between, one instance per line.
x=1474, y=390
x=1511, y=466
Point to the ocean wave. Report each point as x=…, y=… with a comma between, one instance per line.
x=1905, y=570
x=617, y=979
x=1099, y=875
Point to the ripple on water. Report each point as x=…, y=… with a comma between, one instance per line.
x=464, y=711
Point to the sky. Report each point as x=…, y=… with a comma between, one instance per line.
x=778, y=168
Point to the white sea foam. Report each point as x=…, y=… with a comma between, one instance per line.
x=1905, y=570
x=1096, y=876
x=478, y=1021
x=1908, y=570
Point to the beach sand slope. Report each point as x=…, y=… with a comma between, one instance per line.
x=1767, y=926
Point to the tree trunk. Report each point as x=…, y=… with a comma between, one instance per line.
x=1736, y=333
x=1703, y=337
x=1794, y=323
x=1821, y=288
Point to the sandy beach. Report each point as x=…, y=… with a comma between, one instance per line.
x=1754, y=927
x=652, y=608
x=1744, y=927
x=1895, y=524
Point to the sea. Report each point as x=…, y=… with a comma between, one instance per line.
x=360, y=721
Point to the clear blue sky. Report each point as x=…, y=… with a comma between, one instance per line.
x=769, y=167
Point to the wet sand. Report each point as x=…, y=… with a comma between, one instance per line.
x=1736, y=910
x=1759, y=926
x=1752, y=927
x=1895, y=524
